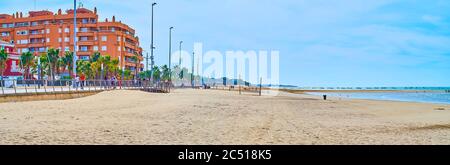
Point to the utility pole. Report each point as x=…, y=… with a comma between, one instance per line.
x=170, y=54
x=192, y=74
x=152, y=46
x=146, y=61
x=179, y=61
x=74, y=40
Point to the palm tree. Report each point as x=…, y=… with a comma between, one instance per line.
x=68, y=61
x=45, y=66
x=114, y=67
x=156, y=73
x=105, y=60
x=60, y=63
x=26, y=62
x=165, y=73
x=136, y=61
x=3, y=59
x=53, y=56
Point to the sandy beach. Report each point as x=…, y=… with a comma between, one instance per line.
x=189, y=116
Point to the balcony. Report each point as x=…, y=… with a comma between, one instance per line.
x=85, y=33
x=130, y=45
x=36, y=35
x=37, y=27
x=83, y=53
x=36, y=44
x=87, y=43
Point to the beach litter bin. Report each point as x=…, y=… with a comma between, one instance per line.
x=324, y=97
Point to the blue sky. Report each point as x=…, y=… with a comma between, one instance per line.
x=321, y=42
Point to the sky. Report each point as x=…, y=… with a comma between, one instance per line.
x=332, y=43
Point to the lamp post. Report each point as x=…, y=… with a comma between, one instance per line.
x=152, y=47
x=74, y=40
x=170, y=54
x=179, y=62
x=192, y=74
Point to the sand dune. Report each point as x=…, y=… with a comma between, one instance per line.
x=221, y=117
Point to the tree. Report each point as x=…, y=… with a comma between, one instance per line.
x=68, y=61
x=26, y=62
x=165, y=73
x=45, y=66
x=3, y=59
x=156, y=73
x=52, y=57
x=113, y=67
x=136, y=61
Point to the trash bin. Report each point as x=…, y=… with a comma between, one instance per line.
x=324, y=97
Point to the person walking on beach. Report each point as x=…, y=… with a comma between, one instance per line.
x=106, y=82
x=77, y=81
x=82, y=79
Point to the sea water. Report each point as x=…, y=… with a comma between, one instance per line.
x=424, y=97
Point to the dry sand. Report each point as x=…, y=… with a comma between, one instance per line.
x=221, y=117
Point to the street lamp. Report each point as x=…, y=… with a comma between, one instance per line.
x=74, y=40
x=170, y=53
x=179, y=62
x=152, y=46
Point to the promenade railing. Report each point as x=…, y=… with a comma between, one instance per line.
x=14, y=87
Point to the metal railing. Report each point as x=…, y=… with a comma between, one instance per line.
x=24, y=87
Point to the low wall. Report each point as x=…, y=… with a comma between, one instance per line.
x=20, y=97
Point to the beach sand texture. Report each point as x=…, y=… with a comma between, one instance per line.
x=221, y=117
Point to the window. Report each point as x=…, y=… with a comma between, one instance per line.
x=119, y=48
x=59, y=30
x=104, y=38
x=85, y=21
x=83, y=38
x=66, y=30
x=95, y=38
x=22, y=24
x=66, y=39
x=118, y=38
x=95, y=48
x=59, y=40
x=48, y=39
x=67, y=49
x=84, y=29
x=4, y=25
x=34, y=23
x=103, y=48
x=24, y=49
x=113, y=29
x=42, y=49
x=84, y=48
x=22, y=41
x=85, y=58
x=48, y=31
x=45, y=22
x=5, y=33
x=22, y=32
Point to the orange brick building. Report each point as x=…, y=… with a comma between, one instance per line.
x=42, y=30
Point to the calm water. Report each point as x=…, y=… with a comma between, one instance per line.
x=440, y=97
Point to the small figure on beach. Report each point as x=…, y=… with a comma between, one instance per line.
x=77, y=81
x=82, y=79
x=324, y=97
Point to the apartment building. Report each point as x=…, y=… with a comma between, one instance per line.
x=41, y=30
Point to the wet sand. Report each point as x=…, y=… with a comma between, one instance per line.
x=221, y=117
